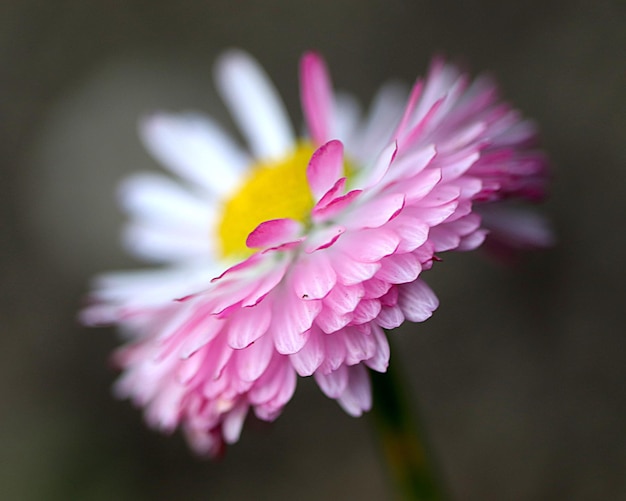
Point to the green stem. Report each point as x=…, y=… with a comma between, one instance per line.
x=399, y=436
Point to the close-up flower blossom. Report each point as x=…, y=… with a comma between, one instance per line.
x=290, y=257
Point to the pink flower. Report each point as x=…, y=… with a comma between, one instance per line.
x=295, y=265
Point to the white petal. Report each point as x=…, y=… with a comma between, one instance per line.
x=196, y=149
x=384, y=115
x=149, y=287
x=346, y=117
x=156, y=198
x=170, y=224
x=165, y=244
x=372, y=176
x=255, y=104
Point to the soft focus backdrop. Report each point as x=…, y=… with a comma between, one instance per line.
x=520, y=375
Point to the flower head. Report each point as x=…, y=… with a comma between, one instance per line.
x=292, y=258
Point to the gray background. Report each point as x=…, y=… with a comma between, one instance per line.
x=520, y=374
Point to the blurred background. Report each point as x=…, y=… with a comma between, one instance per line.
x=520, y=376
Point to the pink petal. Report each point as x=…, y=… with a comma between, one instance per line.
x=332, y=193
x=359, y=346
x=313, y=276
x=335, y=354
x=253, y=360
x=366, y=311
x=464, y=137
x=317, y=98
x=470, y=186
x=228, y=295
x=473, y=240
x=399, y=268
x=321, y=214
x=220, y=355
x=199, y=332
x=357, y=396
x=233, y=423
x=343, y=299
x=190, y=367
x=248, y=325
x=285, y=391
x=412, y=163
x=286, y=379
x=416, y=94
x=377, y=212
x=334, y=383
x=417, y=301
x=253, y=260
x=412, y=232
x=331, y=321
x=291, y=321
x=390, y=317
x=323, y=238
x=383, y=162
x=375, y=288
x=440, y=195
x=213, y=387
x=273, y=232
x=424, y=122
x=309, y=358
x=370, y=246
x=391, y=298
x=437, y=215
x=380, y=361
x=268, y=385
x=325, y=168
x=466, y=224
x=351, y=271
x=421, y=185
x=444, y=238
x=164, y=411
x=266, y=283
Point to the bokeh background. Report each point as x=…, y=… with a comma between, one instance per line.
x=520, y=376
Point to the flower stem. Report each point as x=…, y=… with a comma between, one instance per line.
x=402, y=440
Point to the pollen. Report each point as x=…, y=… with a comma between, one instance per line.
x=272, y=190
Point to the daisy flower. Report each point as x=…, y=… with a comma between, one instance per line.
x=291, y=258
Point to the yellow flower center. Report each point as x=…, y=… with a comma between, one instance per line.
x=273, y=190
